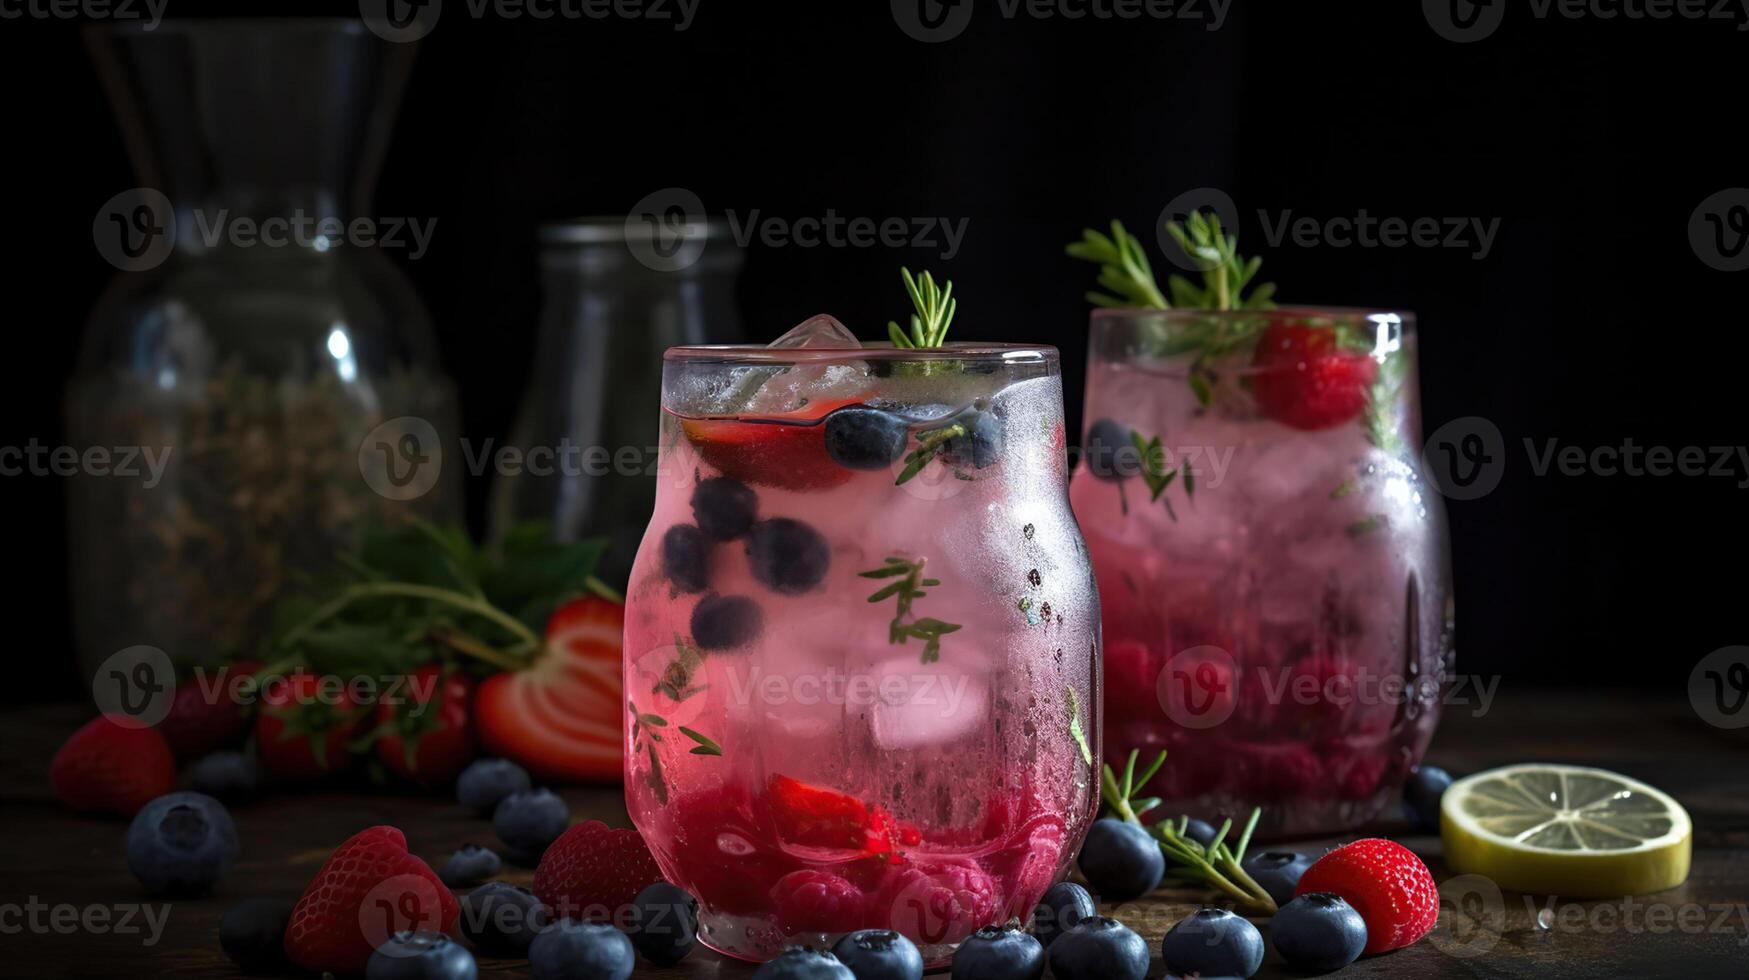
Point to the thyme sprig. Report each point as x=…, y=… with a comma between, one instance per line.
x=910, y=585
x=1216, y=866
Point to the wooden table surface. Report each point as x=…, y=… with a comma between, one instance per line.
x=51, y=858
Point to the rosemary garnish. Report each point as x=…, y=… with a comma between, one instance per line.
x=644, y=733
x=935, y=307
x=908, y=588
x=1156, y=476
x=1124, y=269
x=706, y=745
x=676, y=679
x=929, y=445
x=1381, y=401
x=1216, y=866
x=1075, y=731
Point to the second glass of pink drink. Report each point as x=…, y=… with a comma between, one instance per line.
x=1273, y=570
x=862, y=641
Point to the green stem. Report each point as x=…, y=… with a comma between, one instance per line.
x=467, y=645
x=373, y=590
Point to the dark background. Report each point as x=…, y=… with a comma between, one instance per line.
x=1592, y=320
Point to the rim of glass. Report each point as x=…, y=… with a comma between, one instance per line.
x=1350, y=313
x=881, y=351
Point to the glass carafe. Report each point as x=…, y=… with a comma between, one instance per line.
x=1272, y=562
x=259, y=368
x=861, y=643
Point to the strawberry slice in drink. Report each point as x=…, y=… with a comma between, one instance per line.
x=1303, y=379
x=814, y=817
x=788, y=453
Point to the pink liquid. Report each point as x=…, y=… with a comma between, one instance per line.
x=1287, y=637
x=858, y=785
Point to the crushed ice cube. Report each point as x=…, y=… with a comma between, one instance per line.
x=820, y=330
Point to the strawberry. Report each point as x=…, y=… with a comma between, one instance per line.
x=207, y=712
x=111, y=766
x=812, y=900
x=593, y=872
x=561, y=717
x=304, y=725
x=1303, y=380
x=791, y=454
x=367, y=890
x=425, y=742
x=1386, y=883
x=810, y=816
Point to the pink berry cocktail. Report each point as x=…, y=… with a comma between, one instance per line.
x=861, y=641
x=1272, y=564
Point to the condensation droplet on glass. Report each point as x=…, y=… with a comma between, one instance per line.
x=1545, y=919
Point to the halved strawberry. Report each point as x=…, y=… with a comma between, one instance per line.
x=561, y=717
x=1304, y=380
x=790, y=454
x=811, y=816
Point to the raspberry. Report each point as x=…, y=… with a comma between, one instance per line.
x=594, y=872
x=1275, y=774
x=1358, y=773
x=1386, y=883
x=817, y=901
x=941, y=903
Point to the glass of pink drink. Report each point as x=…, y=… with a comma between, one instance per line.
x=862, y=642
x=1274, y=577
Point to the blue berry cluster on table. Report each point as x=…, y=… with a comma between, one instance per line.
x=1318, y=932
x=1278, y=872
x=529, y=821
x=1063, y=906
x=181, y=844
x=801, y=963
x=996, y=953
x=1213, y=942
x=421, y=955
x=1099, y=948
x=879, y=954
x=486, y=782
x=469, y=866
x=502, y=919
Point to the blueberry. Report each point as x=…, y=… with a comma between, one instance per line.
x=801, y=963
x=226, y=775
x=1421, y=796
x=1065, y=904
x=664, y=924
x=980, y=446
x=1109, y=453
x=420, y=955
x=1213, y=942
x=1121, y=861
x=1278, y=872
x=685, y=557
x=787, y=556
x=723, y=507
x=863, y=438
x=1200, y=831
x=997, y=954
x=501, y=919
x=528, y=821
x=570, y=950
x=469, y=866
x=486, y=782
x=181, y=844
x=252, y=934
x=1099, y=948
x=879, y=954
x=1318, y=931
x=723, y=622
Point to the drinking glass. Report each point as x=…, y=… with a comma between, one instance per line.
x=862, y=642
x=1272, y=562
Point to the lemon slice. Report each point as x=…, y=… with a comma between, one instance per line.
x=1565, y=830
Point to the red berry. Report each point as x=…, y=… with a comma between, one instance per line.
x=1386, y=883
x=1358, y=772
x=817, y=901
x=792, y=456
x=304, y=724
x=207, y=712
x=940, y=903
x=812, y=816
x=562, y=717
x=428, y=742
x=1276, y=773
x=369, y=889
x=112, y=766
x=1301, y=379
x=729, y=863
x=593, y=872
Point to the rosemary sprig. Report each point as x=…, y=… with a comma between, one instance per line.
x=929, y=445
x=1381, y=404
x=1123, y=269
x=1155, y=476
x=935, y=308
x=1224, y=274
x=910, y=585
x=1216, y=866
x=1076, y=732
